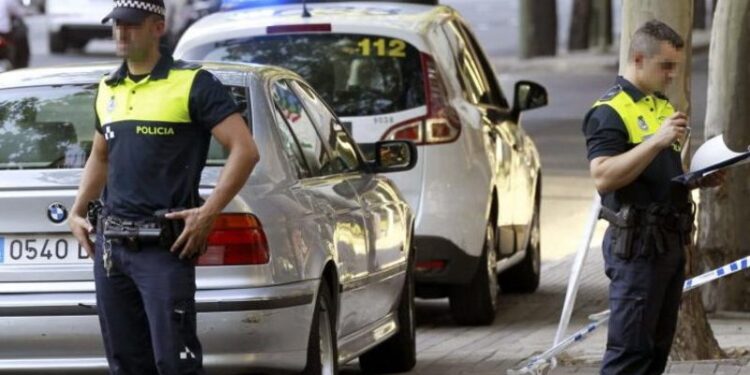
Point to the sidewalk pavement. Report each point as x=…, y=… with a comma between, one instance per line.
x=730, y=329
x=526, y=325
x=583, y=61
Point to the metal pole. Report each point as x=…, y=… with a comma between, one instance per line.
x=575, y=274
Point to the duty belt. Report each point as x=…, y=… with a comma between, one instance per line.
x=157, y=229
x=665, y=227
x=131, y=231
x=127, y=232
x=653, y=215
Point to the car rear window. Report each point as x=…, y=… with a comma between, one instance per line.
x=358, y=75
x=46, y=127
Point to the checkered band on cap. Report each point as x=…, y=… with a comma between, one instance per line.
x=142, y=5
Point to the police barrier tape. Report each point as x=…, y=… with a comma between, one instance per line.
x=542, y=363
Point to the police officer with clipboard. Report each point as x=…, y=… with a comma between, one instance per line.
x=155, y=118
x=634, y=138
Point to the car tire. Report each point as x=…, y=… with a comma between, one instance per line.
x=476, y=303
x=57, y=43
x=399, y=352
x=524, y=277
x=322, y=348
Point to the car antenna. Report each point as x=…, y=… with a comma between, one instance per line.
x=305, y=12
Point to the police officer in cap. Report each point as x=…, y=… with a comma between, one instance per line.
x=155, y=119
x=634, y=138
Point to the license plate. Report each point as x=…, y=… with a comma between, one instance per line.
x=41, y=249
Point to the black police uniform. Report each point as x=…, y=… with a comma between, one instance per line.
x=646, y=284
x=157, y=130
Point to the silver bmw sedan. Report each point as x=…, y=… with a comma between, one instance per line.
x=309, y=267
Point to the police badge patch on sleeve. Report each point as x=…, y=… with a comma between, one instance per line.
x=111, y=105
x=642, y=123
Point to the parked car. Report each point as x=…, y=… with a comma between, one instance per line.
x=392, y=71
x=35, y=5
x=183, y=13
x=309, y=266
x=73, y=23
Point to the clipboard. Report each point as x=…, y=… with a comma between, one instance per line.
x=710, y=157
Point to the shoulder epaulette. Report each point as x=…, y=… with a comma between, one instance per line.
x=186, y=65
x=616, y=89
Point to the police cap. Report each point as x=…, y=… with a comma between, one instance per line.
x=135, y=11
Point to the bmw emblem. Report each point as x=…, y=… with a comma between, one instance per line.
x=57, y=213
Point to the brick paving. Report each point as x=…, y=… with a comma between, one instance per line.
x=526, y=324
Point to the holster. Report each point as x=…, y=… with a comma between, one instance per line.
x=94, y=213
x=170, y=228
x=624, y=227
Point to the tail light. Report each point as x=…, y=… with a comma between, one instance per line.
x=407, y=131
x=236, y=239
x=430, y=265
x=441, y=125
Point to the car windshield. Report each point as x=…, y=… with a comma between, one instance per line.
x=53, y=127
x=358, y=75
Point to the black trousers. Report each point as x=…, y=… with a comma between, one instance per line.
x=147, y=312
x=644, y=298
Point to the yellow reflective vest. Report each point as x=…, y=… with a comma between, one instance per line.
x=642, y=118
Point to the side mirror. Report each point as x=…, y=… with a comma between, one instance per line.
x=529, y=95
x=394, y=156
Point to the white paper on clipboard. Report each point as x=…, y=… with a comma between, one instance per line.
x=710, y=157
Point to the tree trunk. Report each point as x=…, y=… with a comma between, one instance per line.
x=724, y=211
x=694, y=338
x=538, y=28
x=699, y=14
x=601, y=25
x=578, y=39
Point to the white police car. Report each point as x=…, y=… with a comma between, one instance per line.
x=415, y=72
